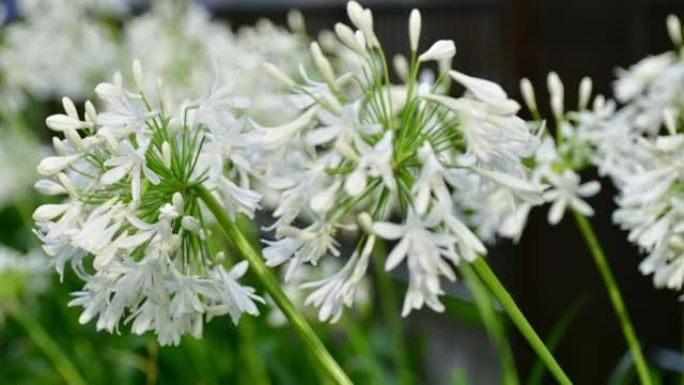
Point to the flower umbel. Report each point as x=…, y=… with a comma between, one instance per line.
x=131, y=225
x=363, y=145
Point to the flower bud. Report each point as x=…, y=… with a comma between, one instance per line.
x=584, y=92
x=166, y=154
x=415, y=22
x=279, y=75
x=54, y=164
x=347, y=36
x=295, y=21
x=178, y=202
x=137, y=74
x=674, y=29
x=70, y=108
x=323, y=66
x=440, y=50
x=401, y=66
x=527, y=92
x=365, y=221
x=90, y=112
x=191, y=224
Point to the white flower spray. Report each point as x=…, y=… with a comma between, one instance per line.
x=131, y=226
x=364, y=151
x=648, y=171
x=141, y=178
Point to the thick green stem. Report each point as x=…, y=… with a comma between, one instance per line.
x=615, y=296
x=272, y=286
x=44, y=342
x=508, y=304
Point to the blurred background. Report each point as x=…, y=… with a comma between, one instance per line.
x=550, y=272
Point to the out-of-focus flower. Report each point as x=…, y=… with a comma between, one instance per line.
x=56, y=50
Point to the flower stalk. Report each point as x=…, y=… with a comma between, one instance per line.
x=273, y=288
x=615, y=297
x=508, y=304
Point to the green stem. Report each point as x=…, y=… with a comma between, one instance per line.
x=272, y=286
x=390, y=308
x=43, y=340
x=493, y=323
x=508, y=304
x=615, y=297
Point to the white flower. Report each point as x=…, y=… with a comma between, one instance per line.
x=566, y=191
x=341, y=289
x=129, y=161
x=426, y=252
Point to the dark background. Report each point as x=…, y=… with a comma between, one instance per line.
x=504, y=41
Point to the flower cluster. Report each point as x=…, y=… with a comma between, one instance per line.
x=56, y=50
x=365, y=151
x=649, y=171
x=559, y=159
x=131, y=225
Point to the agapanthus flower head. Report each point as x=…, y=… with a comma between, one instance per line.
x=131, y=225
x=365, y=152
x=649, y=172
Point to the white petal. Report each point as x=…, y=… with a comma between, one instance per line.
x=483, y=90
x=556, y=211
x=355, y=183
x=388, y=231
x=49, y=212
x=54, y=164
x=114, y=175
x=588, y=189
x=49, y=187
x=397, y=254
